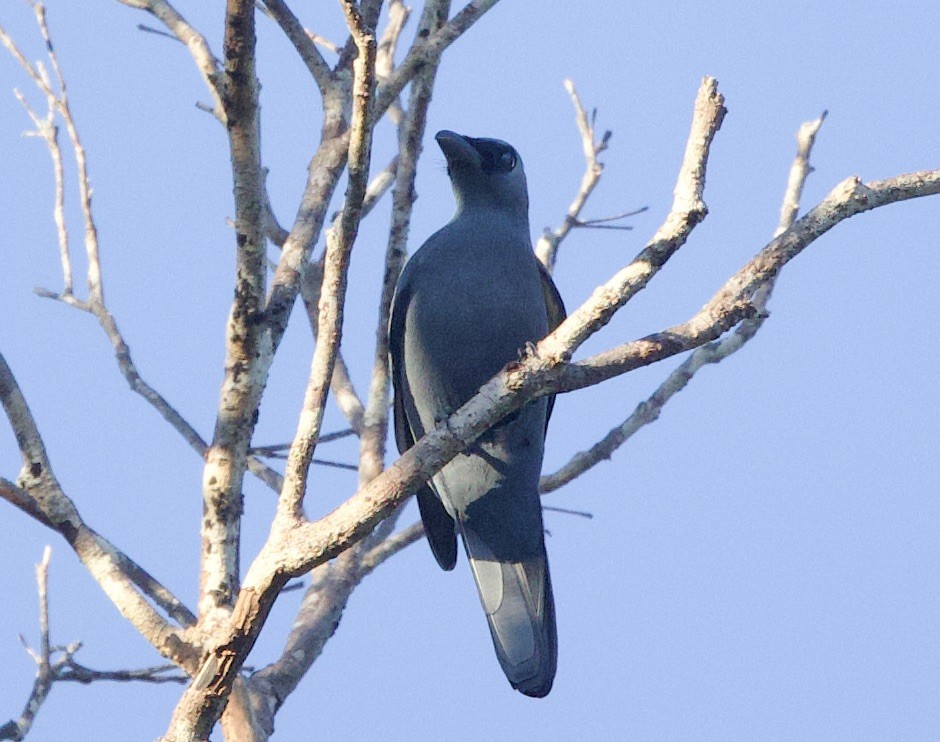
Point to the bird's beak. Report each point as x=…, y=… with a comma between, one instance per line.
x=457, y=149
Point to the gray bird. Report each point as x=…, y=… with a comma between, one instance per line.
x=467, y=303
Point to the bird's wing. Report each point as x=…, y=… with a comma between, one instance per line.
x=555, y=308
x=438, y=525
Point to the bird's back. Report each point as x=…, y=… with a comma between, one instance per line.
x=474, y=300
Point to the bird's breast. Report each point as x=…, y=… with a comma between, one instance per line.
x=472, y=309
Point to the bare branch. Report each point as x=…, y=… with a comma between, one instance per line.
x=321, y=609
x=688, y=209
x=335, y=263
x=429, y=50
x=410, y=137
x=90, y=546
x=47, y=129
x=96, y=305
x=398, y=14
x=546, y=249
x=799, y=171
x=323, y=41
x=159, y=32
x=201, y=703
x=278, y=450
x=61, y=102
x=325, y=600
x=198, y=47
x=735, y=300
x=45, y=674
x=344, y=393
x=52, y=669
x=649, y=410
x=72, y=671
x=245, y=371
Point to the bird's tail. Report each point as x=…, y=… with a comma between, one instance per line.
x=520, y=609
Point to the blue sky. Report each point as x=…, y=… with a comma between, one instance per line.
x=762, y=562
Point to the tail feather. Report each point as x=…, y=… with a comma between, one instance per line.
x=520, y=610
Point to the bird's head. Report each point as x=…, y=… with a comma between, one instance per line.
x=485, y=173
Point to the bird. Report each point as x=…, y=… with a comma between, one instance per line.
x=469, y=301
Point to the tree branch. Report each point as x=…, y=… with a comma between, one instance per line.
x=390, y=546
x=52, y=669
x=429, y=50
x=206, y=62
x=113, y=570
x=344, y=393
x=95, y=305
x=245, y=372
x=17, y=729
x=410, y=137
x=688, y=210
x=39, y=495
x=546, y=249
x=325, y=600
x=336, y=261
x=649, y=410
x=735, y=300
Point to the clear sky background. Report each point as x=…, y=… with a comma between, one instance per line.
x=763, y=562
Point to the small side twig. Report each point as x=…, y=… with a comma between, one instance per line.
x=72, y=671
x=546, y=249
x=180, y=29
x=17, y=729
x=277, y=450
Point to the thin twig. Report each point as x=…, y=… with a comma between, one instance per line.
x=546, y=249
x=49, y=132
x=398, y=14
x=72, y=671
x=17, y=729
x=424, y=51
x=157, y=32
x=279, y=449
x=568, y=511
x=206, y=62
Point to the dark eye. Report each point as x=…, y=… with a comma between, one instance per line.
x=507, y=161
